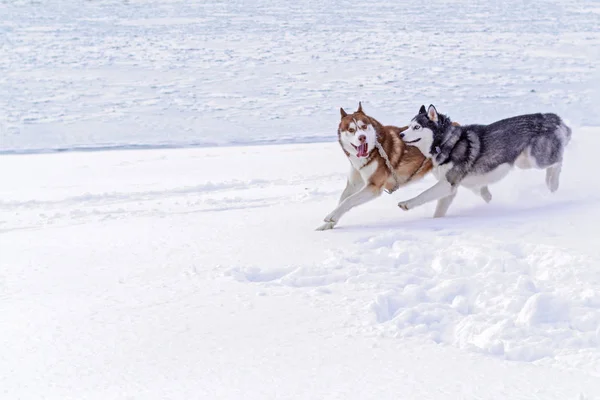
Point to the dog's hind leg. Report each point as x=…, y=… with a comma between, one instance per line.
x=367, y=193
x=484, y=192
x=553, y=177
x=442, y=206
x=548, y=154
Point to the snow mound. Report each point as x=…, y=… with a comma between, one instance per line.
x=516, y=300
x=510, y=299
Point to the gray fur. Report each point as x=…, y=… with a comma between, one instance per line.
x=474, y=156
x=478, y=149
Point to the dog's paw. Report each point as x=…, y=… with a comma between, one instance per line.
x=331, y=217
x=330, y=221
x=405, y=205
x=326, y=226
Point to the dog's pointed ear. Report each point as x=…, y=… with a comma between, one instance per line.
x=359, y=108
x=422, y=110
x=432, y=113
x=342, y=112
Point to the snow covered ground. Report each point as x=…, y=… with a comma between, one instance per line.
x=197, y=273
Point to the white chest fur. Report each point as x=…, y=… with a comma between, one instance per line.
x=357, y=162
x=440, y=171
x=368, y=170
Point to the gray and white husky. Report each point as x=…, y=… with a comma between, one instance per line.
x=475, y=156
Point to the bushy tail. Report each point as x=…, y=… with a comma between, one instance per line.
x=564, y=133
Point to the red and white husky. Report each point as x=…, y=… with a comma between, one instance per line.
x=379, y=160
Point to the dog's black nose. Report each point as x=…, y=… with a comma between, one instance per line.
x=362, y=138
x=402, y=136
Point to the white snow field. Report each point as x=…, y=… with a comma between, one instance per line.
x=179, y=258
x=198, y=273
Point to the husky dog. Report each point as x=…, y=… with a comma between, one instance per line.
x=379, y=160
x=475, y=156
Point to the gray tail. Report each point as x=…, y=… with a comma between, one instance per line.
x=564, y=133
x=568, y=130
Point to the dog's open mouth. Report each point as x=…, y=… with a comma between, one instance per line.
x=412, y=141
x=362, y=150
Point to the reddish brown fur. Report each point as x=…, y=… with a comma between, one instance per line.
x=408, y=161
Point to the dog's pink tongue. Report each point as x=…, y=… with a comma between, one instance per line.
x=362, y=150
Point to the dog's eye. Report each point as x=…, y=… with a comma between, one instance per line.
x=363, y=127
x=416, y=127
x=351, y=130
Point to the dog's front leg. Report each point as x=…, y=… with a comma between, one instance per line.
x=353, y=184
x=442, y=205
x=367, y=193
x=438, y=191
